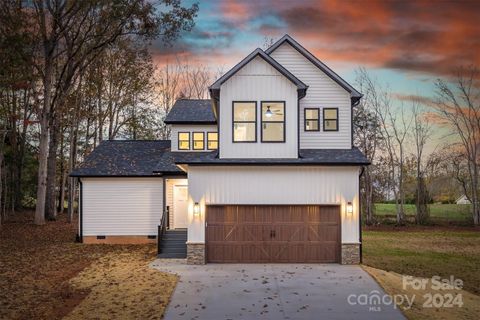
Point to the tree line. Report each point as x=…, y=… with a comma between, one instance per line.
x=73, y=73
x=395, y=140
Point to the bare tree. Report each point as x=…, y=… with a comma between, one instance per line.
x=459, y=104
x=168, y=89
x=367, y=136
x=420, y=134
x=394, y=128
x=67, y=36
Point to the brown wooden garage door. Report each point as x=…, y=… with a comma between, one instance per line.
x=294, y=233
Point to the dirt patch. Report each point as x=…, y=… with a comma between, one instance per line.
x=37, y=262
x=392, y=283
x=123, y=286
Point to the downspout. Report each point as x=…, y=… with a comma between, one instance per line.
x=80, y=212
x=360, y=215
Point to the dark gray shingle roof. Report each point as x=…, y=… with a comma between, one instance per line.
x=307, y=157
x=116, y=158
x=169, y=158
x=191, y=111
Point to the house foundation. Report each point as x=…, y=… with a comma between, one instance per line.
x=196, y=253
x=350, y=253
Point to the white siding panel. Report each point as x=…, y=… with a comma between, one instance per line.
x=275, y=185
x=176, y=128
x=322, y=92
x=122, y=206
x=258, y=81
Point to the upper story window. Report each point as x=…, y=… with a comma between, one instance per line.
x=244, y=121
x=330, y=119
x=212, y=140
x=184, y=141
x=198, y=141
x=273, y=121
x=312, y=119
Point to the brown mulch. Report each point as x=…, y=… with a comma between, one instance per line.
x=37, y=262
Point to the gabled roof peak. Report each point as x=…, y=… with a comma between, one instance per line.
x=355, y=95
x=301, y=87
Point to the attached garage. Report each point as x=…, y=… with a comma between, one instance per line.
x=273, y=233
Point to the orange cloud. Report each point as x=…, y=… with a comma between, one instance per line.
x=427, y=36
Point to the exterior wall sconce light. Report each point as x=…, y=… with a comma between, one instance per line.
x=349, y=208
x=196, y=209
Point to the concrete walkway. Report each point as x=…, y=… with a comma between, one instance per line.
x=272, y=291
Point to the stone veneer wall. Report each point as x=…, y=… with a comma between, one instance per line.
x=196, y=253
x=350, y=253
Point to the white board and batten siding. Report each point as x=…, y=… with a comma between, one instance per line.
x=121, y=206
x=258, y=81
x=176, y=128
x=322, y=92
x=288, y=185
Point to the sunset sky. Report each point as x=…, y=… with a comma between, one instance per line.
x=407, y=44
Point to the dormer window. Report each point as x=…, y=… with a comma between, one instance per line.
x=198, y=141
x=330, y=119
x=312, y=119
x=244, y=121
x=273, y=121
x=184, y=141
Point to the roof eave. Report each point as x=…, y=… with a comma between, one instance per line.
x=215, y=87
x=189, y=122
x=335, y=77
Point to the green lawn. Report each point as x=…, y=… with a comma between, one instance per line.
x=439, y=212
x=426, y=254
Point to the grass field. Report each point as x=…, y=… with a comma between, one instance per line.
x=426, y=253
x=438, y=212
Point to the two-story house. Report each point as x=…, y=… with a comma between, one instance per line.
x=264, y=171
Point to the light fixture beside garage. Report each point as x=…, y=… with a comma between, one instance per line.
x=349, y=208
x=196, y=209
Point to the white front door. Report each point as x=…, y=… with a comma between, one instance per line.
x=180, y=206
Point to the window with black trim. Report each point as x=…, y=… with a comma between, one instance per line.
x=212, y=140
x=184, y=141
x=244, y=121
x=330, y=119
x=312, y=119
x=198, y=141
x=273, y=121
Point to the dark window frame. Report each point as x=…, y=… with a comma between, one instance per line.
x=233, y=121
x=284, y=121
x=324, y=119
x=193, y=140
x=178, y=140
x=305, y=120
x=208, y=140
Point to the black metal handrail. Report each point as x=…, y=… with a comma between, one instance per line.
x=162, y=228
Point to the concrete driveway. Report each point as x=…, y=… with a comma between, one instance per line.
x=273, y=291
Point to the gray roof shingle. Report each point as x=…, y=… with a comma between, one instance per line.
x=116, y=158
x=191, y=111
x=307, y=157
x=144, y=158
